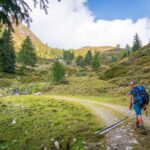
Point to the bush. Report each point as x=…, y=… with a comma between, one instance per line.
x=80, y=61
x=79, y=74
x=37, y=88
x=114, y=71
x=58, y=72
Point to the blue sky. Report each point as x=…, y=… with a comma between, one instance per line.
x=119, y=9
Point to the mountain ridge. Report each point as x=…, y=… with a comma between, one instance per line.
x=20, y=33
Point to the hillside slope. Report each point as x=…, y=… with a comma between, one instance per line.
x=42, y=49
x=135, y=67
x=102, y=49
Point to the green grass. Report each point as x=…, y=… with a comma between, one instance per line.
x=42, y=120
x=109, y=99
x=81, y=86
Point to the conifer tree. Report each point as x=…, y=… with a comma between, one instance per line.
x=7, y=53
x=27, y=55
x=127, y=47
x=128, y=50
x=96, y=61
x=113, y=58
x=68, y=55
x=58, y=72
x=136, y=43
x=88, y=57
x=80, y=61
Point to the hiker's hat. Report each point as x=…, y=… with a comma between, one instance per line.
x=133, y=82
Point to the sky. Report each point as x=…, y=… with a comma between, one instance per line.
x=78, y=23
x=119, y=9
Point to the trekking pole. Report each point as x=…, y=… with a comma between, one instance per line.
x=105, y=130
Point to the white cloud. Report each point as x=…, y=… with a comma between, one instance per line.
x=70, y=24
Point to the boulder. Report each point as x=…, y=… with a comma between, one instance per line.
x=38, y=93
x=14, y=121
x=56, y=144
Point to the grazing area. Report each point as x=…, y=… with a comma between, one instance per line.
x=31, y=122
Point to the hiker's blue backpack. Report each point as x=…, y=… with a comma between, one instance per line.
x=142, y=96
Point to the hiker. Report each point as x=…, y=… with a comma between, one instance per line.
x=138, y=103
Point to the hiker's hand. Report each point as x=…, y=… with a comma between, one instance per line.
x=130, y=106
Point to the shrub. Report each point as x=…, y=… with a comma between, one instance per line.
x=114, y=71
x=79, y=74
x=58, y=72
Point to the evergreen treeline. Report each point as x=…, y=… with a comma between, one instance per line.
x=26, y=56
x=89, y=59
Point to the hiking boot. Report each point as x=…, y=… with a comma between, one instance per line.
x=137, y=125
x=143, y=130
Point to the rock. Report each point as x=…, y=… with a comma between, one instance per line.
x=115, y=146
x=14, y=121
x=83, y=142
x=134, y=141
x=45, y=148
x=14, y=141
x=52, y=139
x=15, y=92
x=56, y=144
x=26, y=132
x=108, y=148
x=18, y=78
x=38, y=93
x=129, y=148
x=1, y=95
x=118, y=137
x=131, y=134
x=74, y=140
